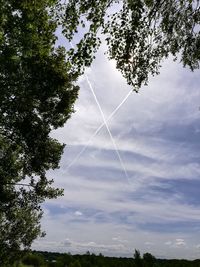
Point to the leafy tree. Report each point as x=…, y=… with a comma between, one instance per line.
x=149, y=260
x=37, y=94
x=139, y=34
x=138, y=259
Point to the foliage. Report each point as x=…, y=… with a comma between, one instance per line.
x=76, y=263
x=147, y=260
x=139, y=34
x=138, y=259
x=33, y=260
x=64, y=260
x=37, y=94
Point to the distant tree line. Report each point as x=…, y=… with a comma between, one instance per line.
x=53, y=259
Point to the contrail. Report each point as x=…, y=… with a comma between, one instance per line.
x=105, y=123
x=97, y=130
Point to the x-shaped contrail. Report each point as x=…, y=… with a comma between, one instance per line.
x=98, y=130
x=104, y=123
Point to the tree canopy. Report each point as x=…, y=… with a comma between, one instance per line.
x=37, y=94
x=139, y=34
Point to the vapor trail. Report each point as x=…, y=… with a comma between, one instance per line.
x=105, y=122
x=98, y=130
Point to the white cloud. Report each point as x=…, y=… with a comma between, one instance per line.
x=92, y=246
x=180, y=242
x=78, y=213
x=177, y=243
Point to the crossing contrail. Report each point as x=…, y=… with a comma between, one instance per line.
x=98, y=130
x=105, y=123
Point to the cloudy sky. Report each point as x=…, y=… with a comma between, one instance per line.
x=137, y=187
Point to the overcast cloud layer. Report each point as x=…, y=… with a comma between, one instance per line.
x=150, y=200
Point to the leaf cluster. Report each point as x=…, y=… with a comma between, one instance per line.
x=139, y=34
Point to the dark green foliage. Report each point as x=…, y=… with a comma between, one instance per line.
x=37, y=94
x=149, y=260
x=139, y=34
x=87, y=260
x=75, y=263
x=64, y=260
x=137, y=259
x=33, y=260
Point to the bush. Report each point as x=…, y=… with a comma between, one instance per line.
x=33, y=260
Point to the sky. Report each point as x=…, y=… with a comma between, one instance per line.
x=135, y=184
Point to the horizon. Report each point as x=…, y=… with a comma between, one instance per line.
x=102, y=255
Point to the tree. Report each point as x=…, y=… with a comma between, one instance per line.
x=37, y=94
x=149, y=260
x=137, y=258
x=139, y=34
